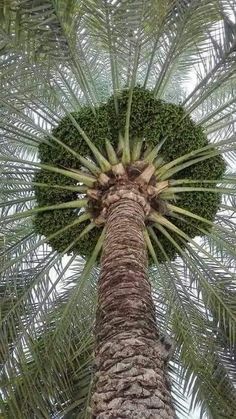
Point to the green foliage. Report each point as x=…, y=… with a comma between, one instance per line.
x=204, y=204
x=72, y=369
x=151, y=121
x=53, y=195
x=95, y=125
x=50, y=222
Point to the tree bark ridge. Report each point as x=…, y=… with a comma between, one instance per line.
x=131, y=379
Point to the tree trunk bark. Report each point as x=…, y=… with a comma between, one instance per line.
x=131, y=378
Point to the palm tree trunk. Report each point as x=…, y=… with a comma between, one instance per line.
x=131, y=379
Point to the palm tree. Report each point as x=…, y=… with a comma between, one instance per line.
x=118, y=199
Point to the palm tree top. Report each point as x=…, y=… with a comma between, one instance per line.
x=162, y=137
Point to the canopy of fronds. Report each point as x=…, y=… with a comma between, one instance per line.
x=152, y=122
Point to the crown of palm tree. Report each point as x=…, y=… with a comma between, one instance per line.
x=89, y=88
